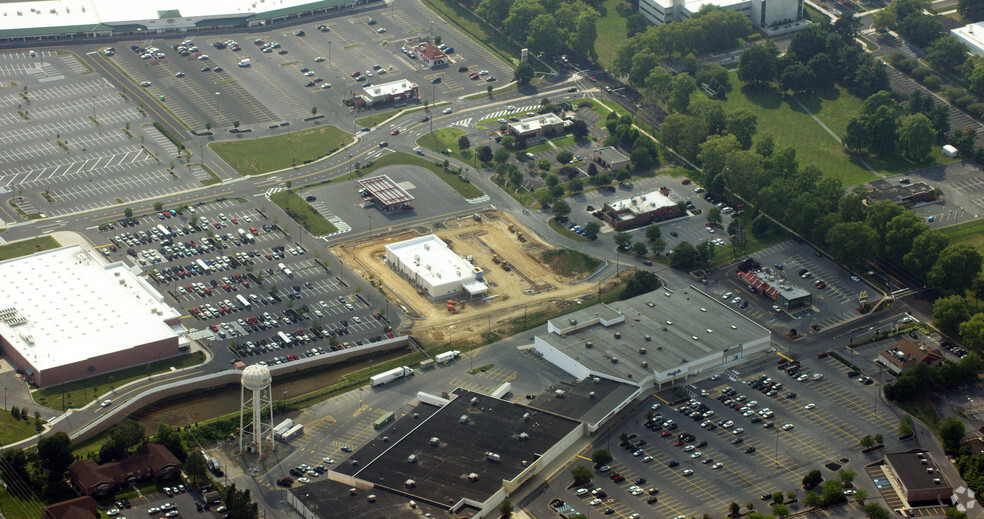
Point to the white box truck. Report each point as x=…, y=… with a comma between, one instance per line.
x=447, y=356
x=389, y=376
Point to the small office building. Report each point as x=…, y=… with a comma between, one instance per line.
x=776, y=287
x=639, y=210
x=537, y=126
x=917, y=477
x=392, y=92
x=610, y=158
x=429, y=265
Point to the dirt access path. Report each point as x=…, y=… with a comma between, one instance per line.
x=528, y=287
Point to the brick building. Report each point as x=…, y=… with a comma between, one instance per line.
x=152, y=461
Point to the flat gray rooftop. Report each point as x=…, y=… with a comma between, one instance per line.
x=587, y=400
x=441, y=471
x=662, y=329
x=329, y=498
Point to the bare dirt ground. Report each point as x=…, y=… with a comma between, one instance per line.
x=528, y=287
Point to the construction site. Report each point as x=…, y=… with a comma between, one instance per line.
x=520, y=284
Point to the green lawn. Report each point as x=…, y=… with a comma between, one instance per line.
x=446, y=139
x=611, y=32
x=792, y=127
x=77, y=394
x=17, y=508
x=23, y=248
x=971, y=232
x=466, y=189
x=257, y=156
x=303, y=213
x=12, y=430
x=373, y=120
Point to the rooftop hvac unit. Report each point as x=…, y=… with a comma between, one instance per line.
x=493, y=457
x=560, y=393
x=473, y=401
x=645, y=364
x=588, y=344
x=472, y=477
x=618, y=335
x=526, y=416
x=412, y=458
x=427, y=246
x=410, y=484
x=523, y=436
x=596, y=380
x=642, y=351
x=648, y=338
x=463, y=419
x=435, y=441
x=591, y=394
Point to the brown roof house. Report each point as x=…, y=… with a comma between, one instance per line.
x=79, y=508
x=906, y=354
x=151, y=461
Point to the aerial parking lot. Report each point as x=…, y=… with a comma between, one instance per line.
x=739, y=438
x=250, y=292
x=280, y=75
x=72, y=142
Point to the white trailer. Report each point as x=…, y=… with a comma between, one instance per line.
x=502, y=390
x=282, y=427
x=389, y=376
x=284, y=337
x=293, y=433
x=245, y=302
x=447, y=356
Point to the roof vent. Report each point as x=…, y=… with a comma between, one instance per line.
x=473, y=401
x=596, y=380
x=523, y=436
x=618, y=335
x=463, y=419
x=526, y=416
x=472, y=477
x=410, y=484
x=588, y=344
x=435, y=441
x=642, y=351
x=648, y=338
x=702, y=309
x=591, y=394
x=372, y=498
x=493, y=457
x=412, y=458
x=560, y=393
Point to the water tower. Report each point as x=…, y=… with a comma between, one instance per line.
x=256, y=398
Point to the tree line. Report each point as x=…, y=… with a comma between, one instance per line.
x=544, y=25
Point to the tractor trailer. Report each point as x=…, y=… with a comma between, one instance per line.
x=389, y=376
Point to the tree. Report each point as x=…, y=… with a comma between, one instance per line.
x=846, y=476
x=900, y=232
x=639, y=248
x=560, y=208
x=653, y=232
x=488, y=89
x=463, y=142
x=777, y=497
x=601, y=456
x=635, y=23
x=158, y=206
x=972, y=331
x=682, y=86
x=867, y=441
x=949, y=313
x=195, y=467
x=235, y=124
x=833, y=492
x=501, y=155
x=579, y=129
x=523, y=73
x=847, y=26
x=128, y=212
x=581, y=474
x=734, y=508
x=683, y=256
x=926, y=249
x=15, y=412
x=55, y=455
x=812, y=479
x=170, y=438
x=759, y=63
x=14, y=466
x=971, y=10
x=953, y=513
x=484, y=153
x=576, y=185
x=860, y=495
x=876, y=511
x=622, y=239
x=780, y=510
x=916, y=137
x=951, y=434
x=813, y=500
x=851, y=242
x=947, y=52
x=592, y=229
x=743, y=124
x=905, y=426
x=714, y=215
x=956, y=264
x=797, y=78
x=564, y=157
x=641, y=158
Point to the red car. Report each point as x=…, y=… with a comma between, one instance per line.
x=664, y=434
x=473, y=76
x=355, y=74
x=685, y=181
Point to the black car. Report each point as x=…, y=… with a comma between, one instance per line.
x=309, y=84
x=673, y=234
x=383, y=144
x=425, y=119
x=652, y=499
x=490, y=79
x=673, y=463
x=310, y=198
x=300, y=33
x=436, y=80
x=749, y=450
x=462, y=69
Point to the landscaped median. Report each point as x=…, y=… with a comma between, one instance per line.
x=464, y=188
x=258, y=156
x=303, y=213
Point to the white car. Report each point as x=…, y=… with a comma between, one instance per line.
x=817, y=376
x=688, y=472
x=726, y=295
x=736, y=300
x=717, y=466
x=655, y=407
x=446, y=111
x=787, y=426
x=801, y=378
x=689, y=448
x=636, y=491
x=696, y=455
x=647, y=459
x=809, y=406
x=855, y=278
x=380, y=30
x=483, y=73
x=327, y=460
x=595, y=502
x=738, y=431
x=303, y=480
x=172, y=513
x=106, y=403
x=582, y=492
x=113, y=511
x=145, y=84
x=729, y=423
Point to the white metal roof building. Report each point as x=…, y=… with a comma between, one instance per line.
x=430, y=265
x=58, y=19
x=972, y=35
x=762, y=13
x=65, y=316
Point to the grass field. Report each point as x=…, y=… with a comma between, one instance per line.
x=465, y=189
x=12, y=430
x=257, y=156
x=23, y=248
x=792, y=127
x=971, y=232
x=611, y=32
x=77, y=394
x=303, y=213
x=447, y=139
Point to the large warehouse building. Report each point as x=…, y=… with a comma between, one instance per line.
x=65, y=316
x=762, y=13
x=658, y=338
x=428, y=264
x=58, y=20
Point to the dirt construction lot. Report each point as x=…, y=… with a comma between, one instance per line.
x=529, y=285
